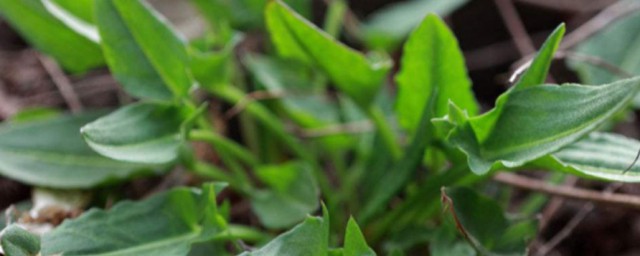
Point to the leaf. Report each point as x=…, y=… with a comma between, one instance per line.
x=292, y=194
x=483, y=224
x=532, y=120
x=143, y=52
x=16, y=241
x=142, y=133
x=393, y=181
x=618, y=44
x=386, y=28
x=51, y=153
x=296, y=38
x=165, y=224
x=213, y=69
x=77, y=15
x=310, y=238
x=354, y=242
x=45, y=32
x=598, y=155
x=432, y=61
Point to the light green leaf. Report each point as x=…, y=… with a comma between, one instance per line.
x=354, y=242
x=142, y=133
x=598, y=155
x=386, y=28
x=618, y=44
x=143, y=52
x=16, y=241
x=310, y=238
x=51, y=153
x=534, y=119
x=432, y=61
x=483, y=223
x=213, y=69
x=291, y=196
x=45, y=32
x=353, y=73
x=165, y=224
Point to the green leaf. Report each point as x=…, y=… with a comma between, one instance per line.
x=354, y=242
x=213, y=69
x=291, y=196
x=432, y=61
x=51, y=153
x=309, y=238
x=618, y=44
x=143, y=52
x=45, y=32
x=165, y=224
x=77, y=15
x=393, y=181
x=598, y=155
x=386, y=28
x=534, y=119
x=296, y=38
x=141, y=133
x=16, y=241
x=483, y=223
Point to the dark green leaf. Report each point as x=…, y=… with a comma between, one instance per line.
x=142, y=50
x=534, y=119
x=432, y=61
x=142, y=133
x=291, y=196
x=386, y=28
x=16, y=241
x=483, y=223
x=51, y=153
x=165, y=224
x=45, y=32
x=353, y=73
x=213, y=69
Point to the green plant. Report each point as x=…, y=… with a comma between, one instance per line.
x=429, y=136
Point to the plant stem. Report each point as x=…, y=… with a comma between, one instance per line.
x=385, y=131
x=224, y=144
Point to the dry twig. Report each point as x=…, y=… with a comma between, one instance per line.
x=62, y=83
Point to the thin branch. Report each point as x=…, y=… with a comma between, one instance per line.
x=622, y=200
x=573, y=223
x=603, y=19
x=515, y=27
x=251, y=97
x=62, y=82
x=595, y=61
x=8, y=105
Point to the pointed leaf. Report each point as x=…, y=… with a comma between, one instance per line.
x=432, y=61
x=143, y=52
x=45, y=32
x=51, y=153
x=142, y=133
x=354, y=242
x=296, y=38
x=165, y=224
x=532, y=120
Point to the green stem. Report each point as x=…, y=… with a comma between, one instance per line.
x=273, y=123
x=385, y=131
x=335, y=17
x=223, y=144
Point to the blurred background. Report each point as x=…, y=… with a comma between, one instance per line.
x=496, y=37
